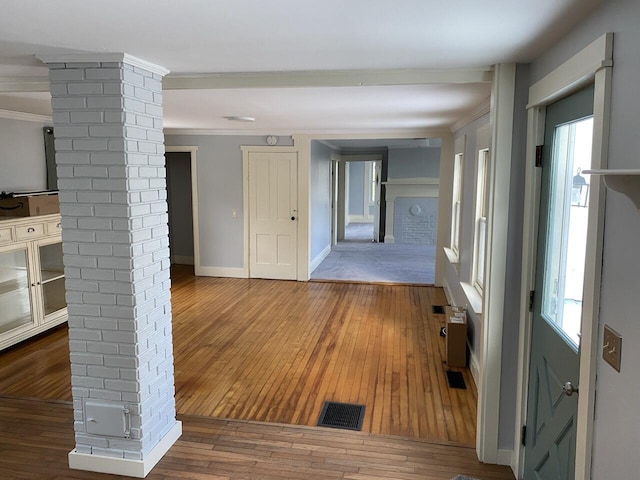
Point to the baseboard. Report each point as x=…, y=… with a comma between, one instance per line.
x=504, y=457
x=125, y=466
x=319, y=258
x=474, y=366
x=182, y=259
x=447, y=291
x=222, y=272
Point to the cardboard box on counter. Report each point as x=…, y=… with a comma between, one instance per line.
x=29, y=206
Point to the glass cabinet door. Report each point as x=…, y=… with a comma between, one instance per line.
x=15, y=302
x=52, y=278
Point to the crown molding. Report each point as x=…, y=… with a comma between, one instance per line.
x=479, y=111
x=104, y=57
x=25, y=117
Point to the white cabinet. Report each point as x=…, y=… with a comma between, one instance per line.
x=32, y=294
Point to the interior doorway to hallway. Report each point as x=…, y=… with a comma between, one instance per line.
x=384, y=202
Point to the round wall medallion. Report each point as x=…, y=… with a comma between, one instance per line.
x=415, y=210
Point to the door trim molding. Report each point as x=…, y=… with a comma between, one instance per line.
x=489, y=388
x=592, y=64
x=193, y=150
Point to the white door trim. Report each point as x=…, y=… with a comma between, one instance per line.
x=193, y=150
x=592, y=64
x=245, y=202
x=498, y=186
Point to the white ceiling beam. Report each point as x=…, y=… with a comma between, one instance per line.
x=24, y=84
x=298, y=79
x=333, y=78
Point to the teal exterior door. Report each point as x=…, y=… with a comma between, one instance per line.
x=557, y=307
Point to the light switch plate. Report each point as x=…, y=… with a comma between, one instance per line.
x=612, y=347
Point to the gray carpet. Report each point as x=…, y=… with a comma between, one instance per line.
x=358, y=232
x=378, y=262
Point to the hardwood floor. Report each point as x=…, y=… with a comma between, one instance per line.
x=255, y=351
x=274, y=351
x=35, y=437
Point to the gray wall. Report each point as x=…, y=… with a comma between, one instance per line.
x=179, y=202
x=414, y=162
x=356, y=187
x=320, y=198
x=220, y=192
x=463, y=274
x=22, y=159
x=617, y=422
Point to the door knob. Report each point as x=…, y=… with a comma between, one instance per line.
x=293, y=218
x=569, y=389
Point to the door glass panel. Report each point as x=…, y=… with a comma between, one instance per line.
x=567, y=229
x=52, y=273
x=14, y=290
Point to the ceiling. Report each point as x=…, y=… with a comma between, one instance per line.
x=331, y=66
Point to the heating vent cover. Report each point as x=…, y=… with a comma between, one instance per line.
x=341, y=415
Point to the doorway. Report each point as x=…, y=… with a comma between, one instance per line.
x=557, y=306
x=180, y=207
x=362, y=246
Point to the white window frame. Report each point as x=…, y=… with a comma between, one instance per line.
x=479, y=260
x=456, y=204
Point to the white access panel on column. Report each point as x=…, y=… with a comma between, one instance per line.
x=273, y=215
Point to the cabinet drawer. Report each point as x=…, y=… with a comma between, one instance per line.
x=25, y=232
x=5, y=235
x=53, y=227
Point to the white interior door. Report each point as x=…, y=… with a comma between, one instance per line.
x=273, y=215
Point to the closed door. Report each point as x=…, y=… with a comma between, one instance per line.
x=557, y=310
x=273, y=215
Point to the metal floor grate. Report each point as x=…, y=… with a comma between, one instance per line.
x=455, y=380
x=439, y=309
x=341, y=415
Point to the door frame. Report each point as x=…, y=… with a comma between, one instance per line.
x=301, y=221
x=193, y=151
x=593, y=64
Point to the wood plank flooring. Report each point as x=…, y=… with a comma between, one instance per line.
x=35, y=437
x=274, y=351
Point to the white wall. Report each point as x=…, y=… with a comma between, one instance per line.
x=617, y=422
x=220, y=192
x=22, y=160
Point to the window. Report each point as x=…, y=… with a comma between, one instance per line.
x=456, y=206
x=480, y=235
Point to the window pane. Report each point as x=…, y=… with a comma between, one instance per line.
x=567, y=230
x=15, y=304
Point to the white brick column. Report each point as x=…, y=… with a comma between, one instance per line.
x=107, y=115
